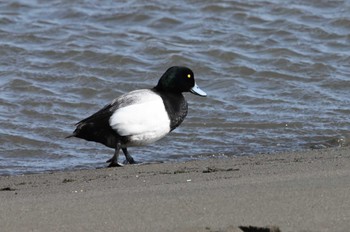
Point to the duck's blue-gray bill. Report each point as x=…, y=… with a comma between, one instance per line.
x=196, y=90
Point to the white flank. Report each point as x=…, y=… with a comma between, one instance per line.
x=144, y=121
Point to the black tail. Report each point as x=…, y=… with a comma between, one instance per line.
x=96, y=128
x=100, y=133
x=70, y=136
x=75, y=133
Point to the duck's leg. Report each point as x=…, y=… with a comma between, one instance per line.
x=114, y=160
x=128, y=157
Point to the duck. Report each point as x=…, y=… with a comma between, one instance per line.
x=142, y=116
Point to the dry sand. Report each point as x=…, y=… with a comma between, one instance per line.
x=302, y=191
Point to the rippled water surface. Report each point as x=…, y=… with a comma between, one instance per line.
x=276, y=72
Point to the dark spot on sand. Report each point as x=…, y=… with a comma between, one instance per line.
x=165, y=172
x=211, y=169
x=259, y=229
x=67, y=180
x=7, y=189
x=179, y=171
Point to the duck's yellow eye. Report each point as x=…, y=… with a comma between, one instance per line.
x=189, y=75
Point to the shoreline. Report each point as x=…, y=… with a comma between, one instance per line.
x=295, y=191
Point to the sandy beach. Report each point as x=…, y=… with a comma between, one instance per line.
x=297, y=191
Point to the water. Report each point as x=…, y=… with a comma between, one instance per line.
x=276, y=72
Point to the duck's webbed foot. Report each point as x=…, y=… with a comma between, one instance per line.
x=114, y=160
x=115, y=164
x=128, y=157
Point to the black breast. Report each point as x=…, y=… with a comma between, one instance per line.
x=176, y=107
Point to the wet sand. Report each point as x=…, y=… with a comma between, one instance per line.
x=296, y=191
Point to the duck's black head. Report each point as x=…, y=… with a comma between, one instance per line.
x=179, y=79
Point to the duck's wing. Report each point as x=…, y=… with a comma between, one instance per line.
x=102, y=114
x=106, y=112
x=98, y=123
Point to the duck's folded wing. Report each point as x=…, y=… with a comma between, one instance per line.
x=130, y=98
x=103, y=113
